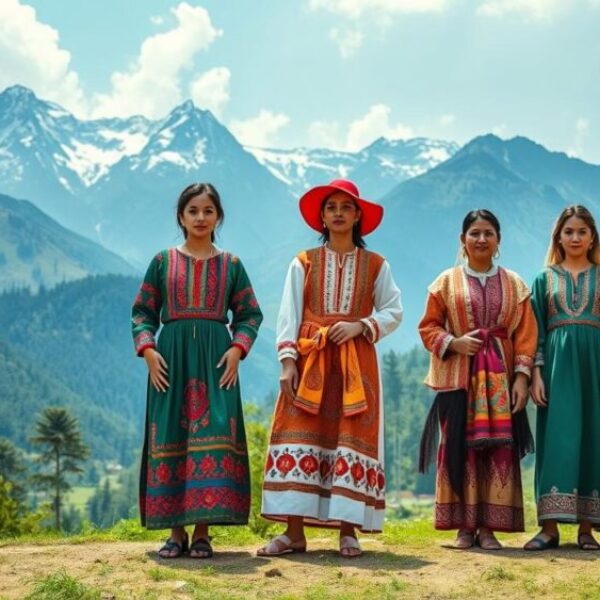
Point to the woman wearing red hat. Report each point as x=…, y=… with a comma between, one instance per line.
x=325, y=459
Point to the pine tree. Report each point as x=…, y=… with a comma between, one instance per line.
x=63, y=448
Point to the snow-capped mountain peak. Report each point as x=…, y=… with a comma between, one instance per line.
x=376, y=168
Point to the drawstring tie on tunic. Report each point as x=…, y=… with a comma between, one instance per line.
x=310, y=388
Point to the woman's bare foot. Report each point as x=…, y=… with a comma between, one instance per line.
x=349, y=546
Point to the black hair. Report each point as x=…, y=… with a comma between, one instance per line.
x=357, y=238
x=481, y=213
x=197, y=189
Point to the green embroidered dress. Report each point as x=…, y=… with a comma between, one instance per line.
x=567, y=470
x=195, y=460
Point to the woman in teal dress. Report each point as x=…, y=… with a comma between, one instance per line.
x=195, y=462
x=566, y=382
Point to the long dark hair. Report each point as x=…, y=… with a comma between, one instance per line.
x=357, y=239
x=555, y=253
x=197, y=189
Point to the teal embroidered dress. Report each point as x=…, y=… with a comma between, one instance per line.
x=567, y=470
x=195, y=460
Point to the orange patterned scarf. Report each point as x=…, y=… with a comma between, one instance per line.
x=310, y=388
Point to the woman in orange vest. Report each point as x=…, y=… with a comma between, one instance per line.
x=325, y=462
x=481, y=331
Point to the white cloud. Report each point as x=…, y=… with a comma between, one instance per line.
x=325, y=134
x=360, y=133
x=152, y=85
x=348, y=40
x=529, y=9
x=376, y=123
x=211, y=90
x=32, y=56
x=157, y=20
x=356, y=9
x=261, y=130
x=447, y=120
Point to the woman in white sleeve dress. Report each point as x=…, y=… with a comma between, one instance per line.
x=325, y=464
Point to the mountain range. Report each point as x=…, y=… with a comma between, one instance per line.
x=116, y=181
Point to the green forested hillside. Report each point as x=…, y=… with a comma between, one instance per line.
x=27, y=387
x=80, y=332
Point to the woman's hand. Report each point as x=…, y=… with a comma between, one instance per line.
x=231, y=360
x=520, y=392
x=157, y=368
x=538, y=389
x=466, y=344
x=343, y=331
x=288, y=382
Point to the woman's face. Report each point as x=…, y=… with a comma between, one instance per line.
x=480, y=241
x=575, y=238
x=340, y=213
x=199, y=217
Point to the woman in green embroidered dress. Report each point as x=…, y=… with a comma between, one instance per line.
x=566, y=382
x=195, y=461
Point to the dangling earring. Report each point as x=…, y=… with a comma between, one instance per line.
x=496, y=254
x=324, y=225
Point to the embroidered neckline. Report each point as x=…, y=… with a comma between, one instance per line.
x=341, y=258
x=483, y=276
x=578, y=300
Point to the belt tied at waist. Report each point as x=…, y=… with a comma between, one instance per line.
x=312, y=382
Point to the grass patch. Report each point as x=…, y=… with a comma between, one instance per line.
x=498, y=573
x=61, y=586
x=414, y=532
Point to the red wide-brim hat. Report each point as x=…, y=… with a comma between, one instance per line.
x=311, y=202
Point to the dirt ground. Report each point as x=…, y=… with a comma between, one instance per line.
x=132, y=570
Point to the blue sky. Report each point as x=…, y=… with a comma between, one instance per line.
x=334, y=73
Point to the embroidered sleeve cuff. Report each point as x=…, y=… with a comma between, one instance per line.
x=243, y=342
x=143, y=340
x=440, y=347
x=539, y=359
x=287, y=350
x=371, y=330
x=523, y=364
